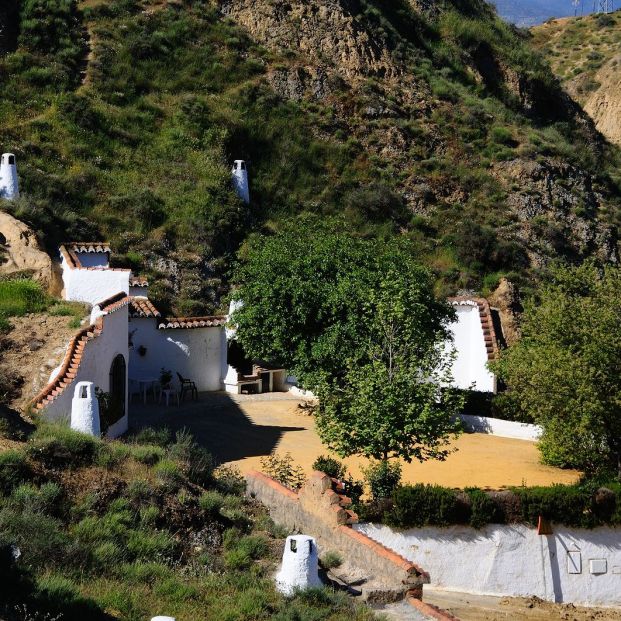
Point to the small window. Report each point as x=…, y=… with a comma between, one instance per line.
x=2, y=240
x=310, y=546
x=11, y=160
x=293, y=545
x=243, y=165
x=84, y=392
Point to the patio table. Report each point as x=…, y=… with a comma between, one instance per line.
x=144, y=383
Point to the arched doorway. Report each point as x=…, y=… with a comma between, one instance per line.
x=118, y=378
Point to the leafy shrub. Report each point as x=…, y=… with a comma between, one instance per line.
x=330, y=466
x=44, y=499
x=149, y=546
x=149, y=435
x=423, y=505
x=382, y=479
x=148, y=455
x=196, y=461
x=211, y=502
x=483, y=509
x=40, y=538
x=13, y=470
x=168, y=474
x=242, y=552
x=331, y=560
x=58, y=446
x=230, y=480
x=284, y=470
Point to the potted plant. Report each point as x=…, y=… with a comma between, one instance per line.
x=165, y=378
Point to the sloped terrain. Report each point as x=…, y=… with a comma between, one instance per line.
x=432, y=120
x=585, y=53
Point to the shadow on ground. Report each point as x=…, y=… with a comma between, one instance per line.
x=216, y=421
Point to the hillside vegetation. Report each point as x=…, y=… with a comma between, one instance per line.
x=433, y=121
x=585, y=53
x=128, y=530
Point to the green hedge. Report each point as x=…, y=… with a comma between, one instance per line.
x=582, y=505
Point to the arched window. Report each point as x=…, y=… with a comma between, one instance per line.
x=11, y=160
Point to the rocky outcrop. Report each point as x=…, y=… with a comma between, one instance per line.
x=20, y=251
x=604, y=105
x=326, y=32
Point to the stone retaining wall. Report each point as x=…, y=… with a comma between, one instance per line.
x=320, y=509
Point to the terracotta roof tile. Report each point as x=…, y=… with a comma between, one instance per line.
x=192, y=322
x=90, y=247
x=142, y=307
x=138, y=281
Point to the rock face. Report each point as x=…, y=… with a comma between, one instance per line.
x=20, y=251
x=604, y=105
x=318, y=29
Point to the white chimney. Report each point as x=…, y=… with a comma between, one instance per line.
x=240, y=180
x=300, y=565
x=9, y=188
x=85, y=410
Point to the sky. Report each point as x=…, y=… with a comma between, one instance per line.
x=531, y=12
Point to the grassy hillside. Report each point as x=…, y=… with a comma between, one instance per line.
x=128, y=530
x=126, y=114
x=585, y=53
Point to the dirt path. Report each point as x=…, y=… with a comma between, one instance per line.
x=242, y=430
x=37, y=346
x=487, y=608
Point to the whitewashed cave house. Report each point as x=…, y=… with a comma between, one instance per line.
x=127, y=340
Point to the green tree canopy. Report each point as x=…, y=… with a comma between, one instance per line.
x=565, y=372
x=357, y=321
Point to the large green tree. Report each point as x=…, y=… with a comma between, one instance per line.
x=357, y=321
x=565, y=372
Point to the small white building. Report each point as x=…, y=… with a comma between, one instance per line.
x=87, y=275
x=127, y=341
x=475, y=343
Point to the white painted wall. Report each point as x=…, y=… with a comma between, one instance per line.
x=469, y=367
x=198, y=354
x=139, y=292
x=95, y=367
x=514, y=560
x=94, y=259
x=92, y=286
x=502, y=428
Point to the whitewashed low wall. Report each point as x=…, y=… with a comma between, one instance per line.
x=573, y=565
x=502, y=428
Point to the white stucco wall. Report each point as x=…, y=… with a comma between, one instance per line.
x=514, y=560
x=502, y=428
x=92, y=286
x=94, y=259
x=469, y=368
x=198, y=354
x=95, y=367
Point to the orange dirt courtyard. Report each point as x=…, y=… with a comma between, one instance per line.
x=240, y=430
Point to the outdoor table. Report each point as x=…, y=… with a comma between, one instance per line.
x=144, y=383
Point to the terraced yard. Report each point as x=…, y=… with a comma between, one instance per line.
x=240, y=430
